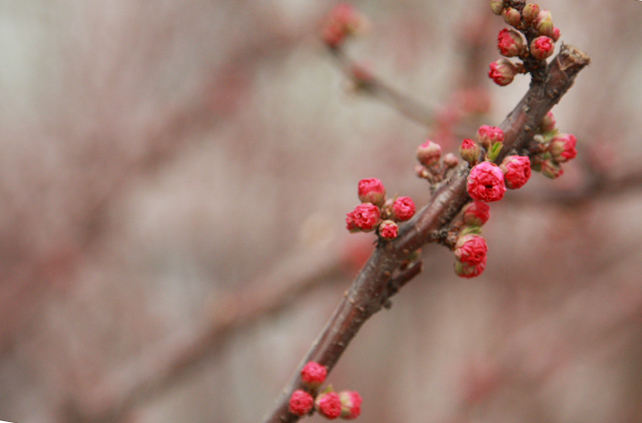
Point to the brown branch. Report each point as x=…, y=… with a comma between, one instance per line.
x=367, y=295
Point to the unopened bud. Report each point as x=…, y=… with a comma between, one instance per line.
x=511, y=16
x=450, y=160
x=364, y=217
x=562, y=147
x=551, y=169
x=388, y=230
x=350, y=404
x=517, y=171
x=403, y=208
x=556, y=34
x=497, y=6
x=530, y=12
x=328, y=404
x=542, y=47
x=372, y=191
x=489, y=135
x=502, y=71
x=300, y=403
x=428, y=153
x=544, y=23
x=471, y=249
x=467, y=271
x=469, y=151
x=548, y=124
x=476, y=213
x=510, y=43
x=313, y=375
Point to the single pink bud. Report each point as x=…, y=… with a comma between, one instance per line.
x=502, y=71
x=301, y=403
x=556, y=34
x=530, y=12
x=428, y=153
x=403, y=208
x=365, y=217
x=517, y=171
x=388, y=230
x=328, y=405
x=372, y=191
x=497, y=6
x=350, y=404
x=510, y=43
x=476, y=213
x=486, y=182
x=542, y=47
x=343, y=20
x=551, y=169
x=468, y=271
x=333, y=34
x=471, y=249
x=548, y=124
x=562, y=147
x=450, y=160
x=511, y=16
x=469, y=151
x=544, y=23
x=489, y=135
x=313, y=375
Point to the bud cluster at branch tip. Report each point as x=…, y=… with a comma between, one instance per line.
x=554, y=148
x=375, y=213
x=342, y=22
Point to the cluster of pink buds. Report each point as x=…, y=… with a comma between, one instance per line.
x=555, y=148
x=330, y=404
x=342, y=21
x=432, y=167
x=377, y=213
x=532, y=35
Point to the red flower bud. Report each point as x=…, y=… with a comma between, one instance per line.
x=403, y=208
x=428, y=153
x=469, y=151
x=530, y=12
x=313, y=375
x=388, y=230
x=551, y=169
x=365, y=217
x=556, y=34
x=502, y=71
x=301, y=403
x=542, y=47
x=489, y=135
x=467, y=271
x=350, y=404
x=471, y=249
x=372, y=191
x=510, y=43
x=476, y=213
x=486, y=182
x=517, y=171
x=328, y=405
x=562, y=147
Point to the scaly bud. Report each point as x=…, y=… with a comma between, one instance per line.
x=511, y=43
x=489, y=135
x=511, y=16
x=476, y=213
x=313, y=375
x=562, y=147
x=497, y=6
x=530, y=12
x=556, y=34
x=469, y=151
x=517, y=171
x=328, y=404
x=428, y=153
x=542, y=47
x=544, y=23
x=551, y=169
x=450, y=160
x=502, y=71
x=350, y=404
x=388, y=230
x=548, y=124
x=300, y=403
x=372, y=191
x=467, y=271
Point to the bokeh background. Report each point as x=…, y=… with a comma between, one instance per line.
x=174, y=178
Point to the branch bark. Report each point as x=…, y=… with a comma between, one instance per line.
x=369, y=291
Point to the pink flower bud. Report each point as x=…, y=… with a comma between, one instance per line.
x=476, y=213
x=372, y=191
x=471, y=249
x=328, y=405
x=551, y=169
x=556, y=34
x=313, y=375
x=530, y=12
x=428, y=153
x=343, y=20
x=365, y=217
x=467, y=271
x=469, y=151
x=301, y=403
x=502, y=71
x=403, y=208
x=511, y=16
x=486, y=182
x=510, y=43
x=548, y=124
x=562, y=147
x=489, y=135
x=542, y=47
x=388, y=230
x=544, y=23
x=333, y=34
x=497, y=6
x=350, y=404
x=450, y=160
x=517, y=171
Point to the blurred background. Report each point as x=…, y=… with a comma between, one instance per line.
x=174, y=178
